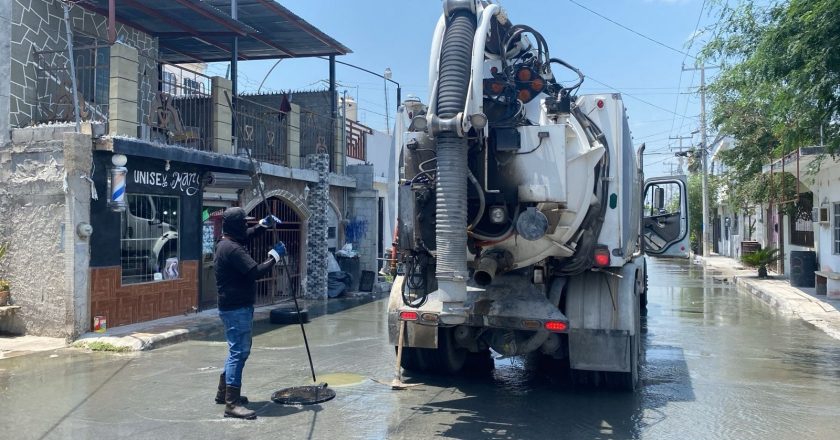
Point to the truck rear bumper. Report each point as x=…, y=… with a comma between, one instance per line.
x=510, y=303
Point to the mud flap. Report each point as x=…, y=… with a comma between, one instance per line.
x=599, y=350
x=603, y=317
x=416, y=335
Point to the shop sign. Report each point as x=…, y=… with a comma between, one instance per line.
x=179, y=181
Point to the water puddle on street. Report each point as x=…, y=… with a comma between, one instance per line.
x=341, y=379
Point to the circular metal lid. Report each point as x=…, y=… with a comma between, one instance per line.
x=303, y=395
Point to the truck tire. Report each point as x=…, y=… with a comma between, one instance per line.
x=409, y=360
x=643, y=299
x=627, y=381
x=447, y=359
x=479, y=362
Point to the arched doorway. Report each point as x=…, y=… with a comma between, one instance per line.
x=289, y=231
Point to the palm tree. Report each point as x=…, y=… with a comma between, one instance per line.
x=761, y=258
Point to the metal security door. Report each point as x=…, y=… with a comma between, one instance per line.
x=272, y=289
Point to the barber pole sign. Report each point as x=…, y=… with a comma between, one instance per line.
x=117, y=200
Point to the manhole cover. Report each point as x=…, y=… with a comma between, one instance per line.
x=304, y=395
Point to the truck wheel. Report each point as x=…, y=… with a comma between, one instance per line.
x=409, y=360
x=627, y=381
x=447, y=359
x=643, y=299
x=480, y=362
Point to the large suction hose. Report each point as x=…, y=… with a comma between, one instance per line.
x=452, y=170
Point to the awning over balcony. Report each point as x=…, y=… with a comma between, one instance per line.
x=196, y=30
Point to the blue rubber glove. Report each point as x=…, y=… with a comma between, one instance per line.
x=269, y=221
x=278, y=251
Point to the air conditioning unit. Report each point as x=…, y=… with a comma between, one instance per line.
x=821, y=215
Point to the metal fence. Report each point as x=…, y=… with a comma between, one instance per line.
x=263, y=130
x=54, y=85
x=270, y=290
x=317, y=135
x=180, y=106
x=357, y=140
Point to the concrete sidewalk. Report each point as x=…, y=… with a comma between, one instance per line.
x=802, y=302
x=161, y=332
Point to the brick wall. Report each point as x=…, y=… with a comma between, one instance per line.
x=122, y=305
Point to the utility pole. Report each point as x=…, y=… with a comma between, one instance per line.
x=703, y=146
x=680, y=153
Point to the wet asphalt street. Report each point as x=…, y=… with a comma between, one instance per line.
x=719, y=365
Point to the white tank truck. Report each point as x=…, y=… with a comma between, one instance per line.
x=520, y=210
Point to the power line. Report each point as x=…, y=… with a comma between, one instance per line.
x=633, y=31
x=634, y=96
x=690, y=43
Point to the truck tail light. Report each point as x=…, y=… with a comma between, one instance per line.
x=408, y=316
x=556, y=326
x=602, y=256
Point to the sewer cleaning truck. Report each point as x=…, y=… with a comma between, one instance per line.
x=521, y=205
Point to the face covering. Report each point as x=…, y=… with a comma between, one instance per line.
x=234, y=224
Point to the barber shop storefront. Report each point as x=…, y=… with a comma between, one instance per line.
x=147, y=241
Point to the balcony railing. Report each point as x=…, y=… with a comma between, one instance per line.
x=54, y=87
x=357, y=140
x=175, y=105
x=263, y=130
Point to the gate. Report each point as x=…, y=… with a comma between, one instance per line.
x=270, y=290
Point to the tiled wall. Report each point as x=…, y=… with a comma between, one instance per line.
x=122, y=305
x=318, y=202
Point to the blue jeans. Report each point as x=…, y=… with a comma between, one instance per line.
x=238, y=325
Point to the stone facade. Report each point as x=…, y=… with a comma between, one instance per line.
x=44, y=200
x=318, y=204
x=5, y=68
x=38, y=26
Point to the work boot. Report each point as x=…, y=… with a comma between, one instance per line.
x=220, y=393
x=233, y=407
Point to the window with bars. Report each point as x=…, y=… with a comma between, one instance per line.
x=801, y=222
x=149, y=238
x=836, y=225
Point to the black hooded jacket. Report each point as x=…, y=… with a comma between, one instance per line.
x=236, y=272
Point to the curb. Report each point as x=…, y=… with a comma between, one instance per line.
x=171, y=330
x=795, y=307
x=141, y=340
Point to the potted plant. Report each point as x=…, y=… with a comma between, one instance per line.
x=761, y=258
x=4, y=284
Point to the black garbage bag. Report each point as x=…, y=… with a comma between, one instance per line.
x=338, y=283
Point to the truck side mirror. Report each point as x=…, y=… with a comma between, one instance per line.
x=658, y=198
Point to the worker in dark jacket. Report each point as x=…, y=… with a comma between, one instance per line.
x=236, y=280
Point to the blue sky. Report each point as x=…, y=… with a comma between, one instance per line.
x=397, y=34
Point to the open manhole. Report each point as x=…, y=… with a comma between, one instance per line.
x=303, y=395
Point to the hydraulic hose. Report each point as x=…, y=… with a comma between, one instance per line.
x=452, y=169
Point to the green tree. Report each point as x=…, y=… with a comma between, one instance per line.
x=778, y=87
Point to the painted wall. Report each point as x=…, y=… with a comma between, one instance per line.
x=826, y=193
x=362, y=225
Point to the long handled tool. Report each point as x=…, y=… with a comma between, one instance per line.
x=300, y=319
x=303, y=395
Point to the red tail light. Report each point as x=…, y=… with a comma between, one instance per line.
x=556, y=326
x=602, y=256
x=408, y=316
